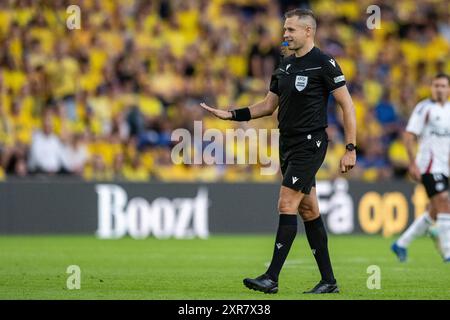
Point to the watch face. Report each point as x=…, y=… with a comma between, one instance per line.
x=350, y=147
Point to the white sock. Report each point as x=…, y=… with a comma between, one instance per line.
x=416, y=229
x=443, y=225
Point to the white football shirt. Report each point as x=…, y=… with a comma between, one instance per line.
x=430, y=121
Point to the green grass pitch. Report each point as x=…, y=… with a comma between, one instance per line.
x=34, y=267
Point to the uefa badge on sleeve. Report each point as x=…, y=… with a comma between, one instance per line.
x=301, y=82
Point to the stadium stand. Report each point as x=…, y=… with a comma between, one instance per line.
x=100, y=103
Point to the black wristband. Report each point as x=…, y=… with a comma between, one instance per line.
x=241, y=114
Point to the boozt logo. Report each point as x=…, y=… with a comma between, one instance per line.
x=163, y=218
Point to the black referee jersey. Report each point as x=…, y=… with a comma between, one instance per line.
x=303, y=85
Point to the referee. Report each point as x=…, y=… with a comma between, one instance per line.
x=300, y=87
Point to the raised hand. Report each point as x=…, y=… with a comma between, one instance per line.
x=221, y=114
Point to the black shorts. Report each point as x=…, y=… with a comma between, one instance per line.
x=434, y=183
x=300, y=159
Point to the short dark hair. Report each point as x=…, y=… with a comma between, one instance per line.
x=442, y=75
x=301, y=13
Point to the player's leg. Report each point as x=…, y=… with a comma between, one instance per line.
x=318, y=242
x=434, y=184
x=418, y=228
x=289, y=200
x=441, y=202
x=432, y=231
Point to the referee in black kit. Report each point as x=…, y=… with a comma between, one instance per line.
x=300, y=86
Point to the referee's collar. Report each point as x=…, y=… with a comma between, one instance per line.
x=306, y=54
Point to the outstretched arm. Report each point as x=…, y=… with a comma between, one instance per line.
x=260, y=109
x=344, y=99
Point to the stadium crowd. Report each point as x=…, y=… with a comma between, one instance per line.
x=101, y=102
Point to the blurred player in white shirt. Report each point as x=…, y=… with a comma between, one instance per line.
x=430, y=124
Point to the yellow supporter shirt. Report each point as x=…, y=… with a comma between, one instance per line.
x=206, y=173
x=14, y=79
x=215, y=123
x=238, y=65
x=237, y=173
x=63, y=75
x=16, y=50
x=23, y=126
x=144, y=40
x=166, y=83
x=386, y=28
x=370, y=49
x=60, y=126
x=150, y=21
x=90, y=174
x=148, y=159
x=397, y=153
x=2, y=174
x=176, y=40
x=224, y=99
x=6, y=137
x=90, y=81
x=188, y=20
x=6, y=17
x=98, y=58
x=373, y=91
x=176, y=172
x=360, y=109
x=348, y=67
x=348, y=9
x=372, y=128
x=150, y=106
x=412, y=51
x=46, y=37
x=370, y=175
x=23, y=15
x=324, y=7
x=139, y=174
x=112, y=40
x=109, y=151
x=101, y=105
x=437, y=49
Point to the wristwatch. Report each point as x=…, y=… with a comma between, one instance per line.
x=350, y=147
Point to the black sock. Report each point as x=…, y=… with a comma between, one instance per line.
x=287, y=230
x=318, y=241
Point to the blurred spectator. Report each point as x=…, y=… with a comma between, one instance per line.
x=46, y=149
x=136, y=172
x=387, y=116
x=118, y=167
x=373, y=165
x=263, y=56
x=74, y=155
x=20, y=169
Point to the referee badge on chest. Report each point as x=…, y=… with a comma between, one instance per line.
x=301, y=82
